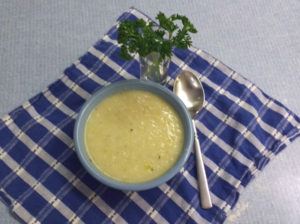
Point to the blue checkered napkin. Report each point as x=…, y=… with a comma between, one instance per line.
x=240, y=129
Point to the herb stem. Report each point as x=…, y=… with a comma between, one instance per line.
x=155, y=62
x=170, y=35
x=149, y=68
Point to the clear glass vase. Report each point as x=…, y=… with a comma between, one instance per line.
x=152, y=70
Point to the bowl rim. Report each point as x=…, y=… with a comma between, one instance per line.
x=126, y=85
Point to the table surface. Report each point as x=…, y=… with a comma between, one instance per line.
x=259, y=39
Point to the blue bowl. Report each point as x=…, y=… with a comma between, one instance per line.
x=121, y=86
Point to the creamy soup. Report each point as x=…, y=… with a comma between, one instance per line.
x=134, y=136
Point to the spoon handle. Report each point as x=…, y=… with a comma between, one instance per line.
x=202, y=180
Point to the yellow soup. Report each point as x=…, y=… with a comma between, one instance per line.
x=134, y=136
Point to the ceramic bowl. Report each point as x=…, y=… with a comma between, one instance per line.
x=120, y=86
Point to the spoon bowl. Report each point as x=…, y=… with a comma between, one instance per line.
x=188, y=88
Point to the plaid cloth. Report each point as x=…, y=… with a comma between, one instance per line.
x=41, y=179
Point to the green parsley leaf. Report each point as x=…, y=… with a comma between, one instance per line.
x=146, y=38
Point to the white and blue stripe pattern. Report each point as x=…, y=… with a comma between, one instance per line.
x=240, y=130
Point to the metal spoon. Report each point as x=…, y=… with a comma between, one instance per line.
x=189, y=89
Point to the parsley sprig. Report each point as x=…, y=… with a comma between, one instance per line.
x=147, y=38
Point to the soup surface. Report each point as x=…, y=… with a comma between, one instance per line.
x=134, y=136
